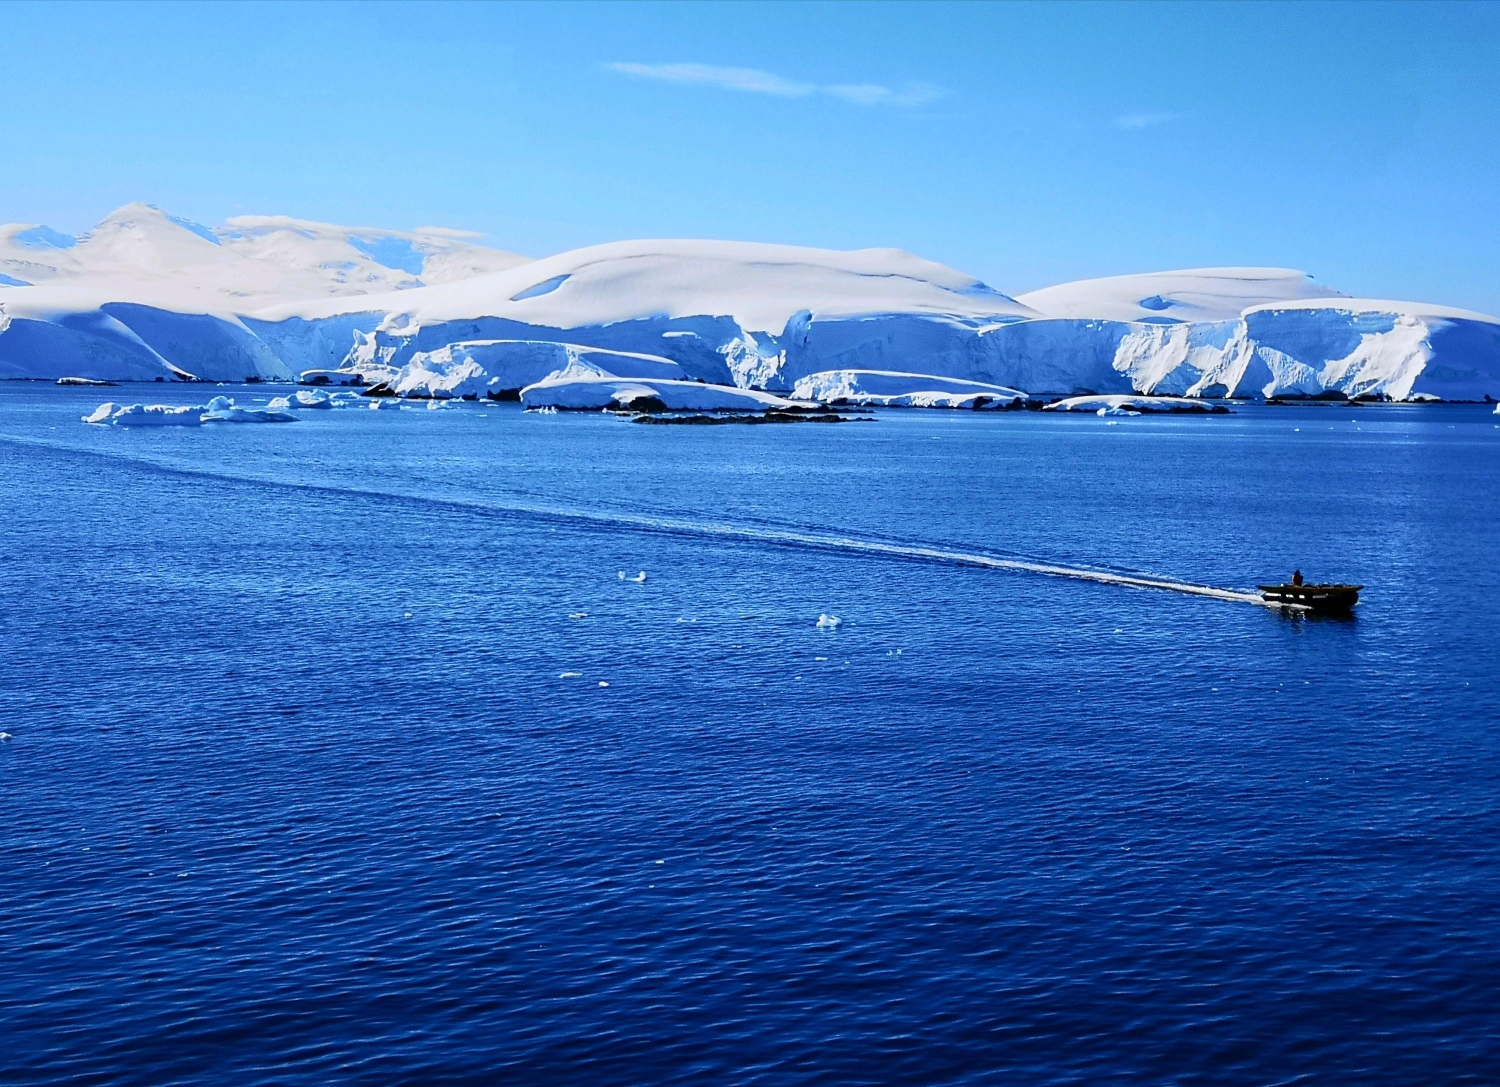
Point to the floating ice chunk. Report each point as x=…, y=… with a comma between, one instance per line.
x=569, y=675
x=638, y=577
x=829, y=622
x=301, y=399
x=311, y=398
x=897, y=389
x=158, y=415
x=145, y=415
x=578, y=615
x=221, y=409
x=1120, y=405
x=603, y=684
x=580, y=388
x=1497, y=409
x=381, y=403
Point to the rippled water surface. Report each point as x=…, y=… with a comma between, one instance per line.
x=300, y=786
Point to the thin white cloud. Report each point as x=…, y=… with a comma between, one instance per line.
x=756, y=81
x=1145, y=120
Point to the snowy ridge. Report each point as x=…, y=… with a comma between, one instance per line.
x=150, y=296
x=1196, y=294
x=140, y=253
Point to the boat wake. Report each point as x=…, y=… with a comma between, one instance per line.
x=770, y=535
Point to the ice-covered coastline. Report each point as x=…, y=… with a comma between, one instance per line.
x=147, y=296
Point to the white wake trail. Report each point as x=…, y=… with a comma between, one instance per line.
x=680, y=526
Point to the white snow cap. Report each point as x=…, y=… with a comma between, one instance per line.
x=1193, y=294
x=140, y=253
x=760, y=286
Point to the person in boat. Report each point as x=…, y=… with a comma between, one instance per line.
x=1296, y=577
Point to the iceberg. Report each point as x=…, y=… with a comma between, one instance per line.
x=302, y=400
x=138, y=415
x=1137, y=405
x=887, y=388
x=582, y=388
x=222, y=409
x=308, y=398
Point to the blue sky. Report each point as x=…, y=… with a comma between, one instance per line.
x=1024, y=144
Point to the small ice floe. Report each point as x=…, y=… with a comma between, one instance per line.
x=384, y=403
x=569, y=675
x=1497, y=409
x=578, y=615
x=311, y=398
x=638, y=577
x=145, y=415
x=302, y=399
x=4, y=735
x=84, y=381
x=221, y=409
x=603, y=684
x=436, y=405
x=829, y=622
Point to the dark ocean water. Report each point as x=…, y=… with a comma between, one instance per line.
x=295, y=793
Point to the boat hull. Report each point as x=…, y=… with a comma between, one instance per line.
x=1320, y=598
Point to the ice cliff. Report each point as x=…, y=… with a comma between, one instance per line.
x=146, y=295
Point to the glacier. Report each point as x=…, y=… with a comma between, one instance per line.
x=431, y=313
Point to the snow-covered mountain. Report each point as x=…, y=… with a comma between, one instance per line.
x=743, y=313
x=140, y=253
x=146, y=295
